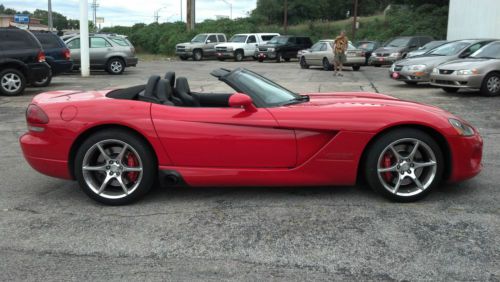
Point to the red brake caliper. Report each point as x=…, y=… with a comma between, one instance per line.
x=386, y=163
x=132, y=162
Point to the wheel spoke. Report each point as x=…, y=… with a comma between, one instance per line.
x=120, y=180
x=122, y=153
x=418, y=183
x=388, y=169
x=104, y=154
x=396, y=187
x=94, y=168
x=414, y=150
x=132, y=169
x=425, y=164
x=396, y=154
x=104, y=183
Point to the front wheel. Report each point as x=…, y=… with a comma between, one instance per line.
x=238, y=56
x=197, y=55
x=115, y=167
x=450, y=89
x=491, y=85
x=115, y=66
x=303, y=63
x=326, y=64
x=356, y=68
x=404, y=165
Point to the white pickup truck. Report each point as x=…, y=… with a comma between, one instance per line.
x=242, y=45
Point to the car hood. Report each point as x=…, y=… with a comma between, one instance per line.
x=190, y=43
x=230, y=44
x=271, y=45
x=465, y=64
x=425, y=60
x=388, y=49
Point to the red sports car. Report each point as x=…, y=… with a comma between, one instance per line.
x=118, y=143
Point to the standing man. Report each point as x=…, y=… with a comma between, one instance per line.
x=339, y=49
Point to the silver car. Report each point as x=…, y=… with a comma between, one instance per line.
x=418, y=69
x=480, y=71
x=321, y=54
x=109, y=52
x=426, y=48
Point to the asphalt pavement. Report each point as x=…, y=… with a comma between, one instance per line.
x=50, y=230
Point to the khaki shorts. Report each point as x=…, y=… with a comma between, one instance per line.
x=339, y=58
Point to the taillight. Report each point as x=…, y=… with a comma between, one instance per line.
x=66, y=54
x=40, y=57
x=36, y=116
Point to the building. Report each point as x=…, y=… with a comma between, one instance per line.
x=474, y=19
x=8, y=20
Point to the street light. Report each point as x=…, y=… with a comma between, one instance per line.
x=230, y=8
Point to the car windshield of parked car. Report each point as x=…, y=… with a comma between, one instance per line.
x=279, y=40
x=238, y=39
x=449, y=49
x=200, y=38
x=367, y=45
x=267, y=91
x=398, y=42
x=431, y=45
x=490, y=51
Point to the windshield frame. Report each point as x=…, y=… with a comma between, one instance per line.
x=204, y=36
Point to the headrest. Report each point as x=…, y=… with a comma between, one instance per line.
x=163, y=90
x=170, y=76
x=181, y=85
x=151, y=86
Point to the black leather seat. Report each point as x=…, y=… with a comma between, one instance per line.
x=184, y=93
x=170, y=76
x=149, y=93
x=164, y=92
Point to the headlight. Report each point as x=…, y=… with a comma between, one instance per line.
x=395, y=54
x=467, y=72
x=270, y=49
x=435, y=70
x=461, y=128
x=416, y=67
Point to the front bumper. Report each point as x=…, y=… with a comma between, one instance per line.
x=375, y=60
x=265, y=55
x=457, y=81
x=184, y=53
x=224, y=54
x=38, y=71
x=466, y=159
x=411, y=76
x=131, y=61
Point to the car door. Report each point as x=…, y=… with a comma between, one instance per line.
x=99, y=49
x=223, y=137
x=250, y=45
x=313, y=58
x=210, y=45
x=74, y=47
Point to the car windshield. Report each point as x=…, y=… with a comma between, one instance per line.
x=238, y=39
x=431, y=45
x=449, y=49
x=200, y=38
x=398, y=42
x=490, y=51
x=279, y=40
x=366, y=45
x=265, y=90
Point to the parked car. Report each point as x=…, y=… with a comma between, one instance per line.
x=201, y=46
x=283, y=47
x=242, y=45
x=368, y=47
x=268, y=136
x=396, y=49
x=321, y=54
x=22, y=61
x=426, y=48
x=480, y=70
x=57, y=55
x=418, y=69
x=108, y=52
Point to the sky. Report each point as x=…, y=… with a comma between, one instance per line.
x=128, y=12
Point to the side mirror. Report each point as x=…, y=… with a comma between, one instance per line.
x=239, y=100
x=209, y=41
x=464, y=55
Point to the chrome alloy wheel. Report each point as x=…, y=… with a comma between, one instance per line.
x=407, y=167
x=116, y=66
x=493, y=84
x=11, y=82
x=112, y=169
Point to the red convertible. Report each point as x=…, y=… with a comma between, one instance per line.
x=118, y=143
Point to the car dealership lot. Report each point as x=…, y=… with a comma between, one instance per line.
x=51, y=229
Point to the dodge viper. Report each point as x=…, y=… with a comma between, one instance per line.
x=119, y=143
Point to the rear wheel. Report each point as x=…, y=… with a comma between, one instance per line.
x=287, y=59
x=404, y=165
x=377, y=65
x=12, y=82
x=183, y=58
x=42, y=82
x=491, y=85
x=115, y=66
x=356, y=68
x=303, y=63
x=238, y=56
x=450, y=89
x=115, y=167
x=326, y=64
x=411, y=82
x=197, y=55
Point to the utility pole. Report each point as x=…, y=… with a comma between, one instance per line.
x=181, y=10
x=285, y=19
x=84, y=38
x=355, y=19
x=94, y=6
x=191, y=16
x=50, y=16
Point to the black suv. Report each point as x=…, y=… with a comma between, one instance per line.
x=283, y=47
x=22, y=60
x=57, y=56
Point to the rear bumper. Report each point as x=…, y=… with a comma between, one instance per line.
x=457, y=81
x=411, y=76
x=374, y=60
x=60, y=66
x=131, y=61
x=466, y=157
x=354, y=61
x=38, y=71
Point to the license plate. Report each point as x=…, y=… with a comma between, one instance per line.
x=395, y=75
x=351, y=54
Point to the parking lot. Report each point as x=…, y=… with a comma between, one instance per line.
x=50, y=228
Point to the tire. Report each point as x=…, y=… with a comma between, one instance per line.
x=183, y=58
x=113, y=167
x=197, y=55
x=255, y=58
x=115, y=66
x=12, y=82
x=377, y=66
x=450, y=89
x=260, y=60
x=303, y=63
x=278, y=57
x=384, y=169
x=326, y=64
x=491, y=85
x=43, y=82
x=413, y=83
x=356, y=68
x=221, y=59
x=287, y=60
x=238, y=56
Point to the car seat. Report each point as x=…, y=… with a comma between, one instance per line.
x=184, y=93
